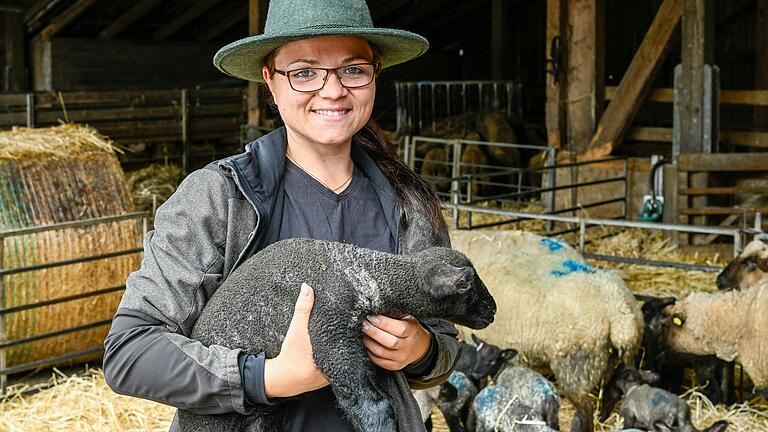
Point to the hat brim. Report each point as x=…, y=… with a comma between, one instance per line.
x=244, y=58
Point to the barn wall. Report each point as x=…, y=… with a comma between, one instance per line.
x=84, y=64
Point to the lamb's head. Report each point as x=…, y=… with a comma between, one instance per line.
x=748, y=268
x=624, y=377
x=455, y=291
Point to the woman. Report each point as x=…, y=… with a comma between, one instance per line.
x=328, y=174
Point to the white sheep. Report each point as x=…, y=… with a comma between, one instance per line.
x=563, y=314
x=747, y=269
x=731, y=325
x=478, y=245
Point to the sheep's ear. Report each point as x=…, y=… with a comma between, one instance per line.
x=762, y=264
x=676, y=320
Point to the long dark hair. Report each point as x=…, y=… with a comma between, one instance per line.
x=413, y=193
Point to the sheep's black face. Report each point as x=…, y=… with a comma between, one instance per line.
x=747, y=269
x=458, y=294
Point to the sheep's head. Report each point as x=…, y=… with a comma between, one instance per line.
x=748, y=268
x=457, y=293
x=490, y=359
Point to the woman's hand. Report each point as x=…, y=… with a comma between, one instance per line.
x=293, y=371
x=392, y=343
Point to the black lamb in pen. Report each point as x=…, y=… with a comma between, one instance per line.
x=253, y=308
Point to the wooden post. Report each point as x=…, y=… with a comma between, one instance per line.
x=16, y=72
x=556, y=73
x=255, y=26
x=761, y=59
x=636, y=82
x=697, y=50
x=585, y=87
x=498, y=38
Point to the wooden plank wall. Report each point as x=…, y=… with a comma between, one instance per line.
x=85, y=64
x=135, y=116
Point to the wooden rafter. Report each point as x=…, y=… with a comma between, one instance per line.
x=137, y=11
x=185, y=18
x=237, y=16
x=65, y=18
x=637, y=81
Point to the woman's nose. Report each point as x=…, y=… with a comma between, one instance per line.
x=333, y=88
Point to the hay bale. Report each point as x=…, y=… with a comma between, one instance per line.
x=81, y=403
x=54, y=175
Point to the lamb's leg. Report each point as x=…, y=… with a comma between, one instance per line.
x=353, y=381
x=584, y=410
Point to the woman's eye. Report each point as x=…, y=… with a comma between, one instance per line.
x=303, y=74
x=353, y=70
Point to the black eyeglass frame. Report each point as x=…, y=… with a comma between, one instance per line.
x=286, y=74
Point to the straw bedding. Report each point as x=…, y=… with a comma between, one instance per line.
x=53, y=175
x=153, y=185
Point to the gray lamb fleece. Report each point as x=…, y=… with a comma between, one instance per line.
x=253, y=308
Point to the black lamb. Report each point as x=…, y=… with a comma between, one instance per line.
x=253, y=308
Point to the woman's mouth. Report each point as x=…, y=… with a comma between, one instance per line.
x=331, y=112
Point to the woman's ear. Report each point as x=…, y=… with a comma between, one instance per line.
x=266, y=76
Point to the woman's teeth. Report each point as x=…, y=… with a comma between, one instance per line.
x=331, y=113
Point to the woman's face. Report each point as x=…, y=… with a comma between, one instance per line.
x=329, y=116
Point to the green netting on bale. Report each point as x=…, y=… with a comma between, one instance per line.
x=19, y=251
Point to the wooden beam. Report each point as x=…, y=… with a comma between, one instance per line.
x=556, y=73
x=737, y=138
x=35, y=13
x=235, y=17
x=191, y=14
x=137, y=11
x=715, y=211
x=722, y=191
x=727, y=97
x=585, y=85
x=65, y=18
x=15, y=53
x=701, y=162
x=637, y=81
x=498, y=38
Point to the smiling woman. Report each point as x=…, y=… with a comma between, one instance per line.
x=328, y=174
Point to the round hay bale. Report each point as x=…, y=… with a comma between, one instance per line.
x=47, y=176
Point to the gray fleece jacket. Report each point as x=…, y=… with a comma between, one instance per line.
x=218, y=217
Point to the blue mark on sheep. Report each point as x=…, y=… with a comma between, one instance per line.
x=552, y=245
x=572, y=266
x=484, y=399
x=458, y=380
x=543, y=388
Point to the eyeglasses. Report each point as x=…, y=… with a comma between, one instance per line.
x=307, y=80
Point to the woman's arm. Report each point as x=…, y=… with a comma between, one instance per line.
x=148, y=353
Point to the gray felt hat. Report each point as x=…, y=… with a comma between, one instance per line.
x=289, y=20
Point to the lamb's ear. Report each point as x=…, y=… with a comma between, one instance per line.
x=649, y=377
x=476, y=339
x=508, y=354
x=453, y=280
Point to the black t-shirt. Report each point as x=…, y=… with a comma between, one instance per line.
x=311, y=210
